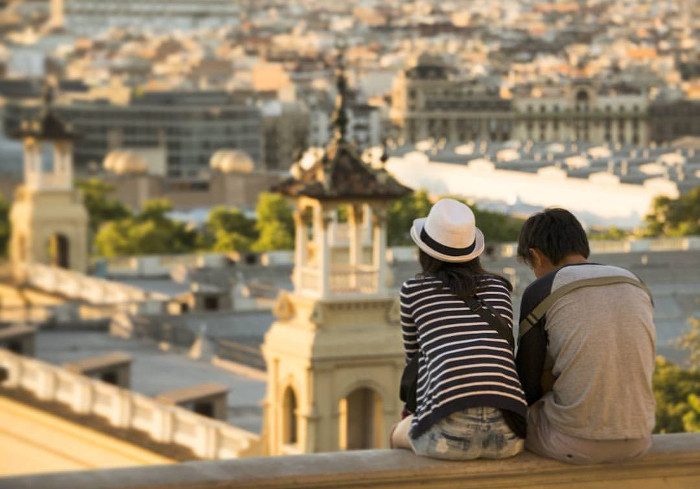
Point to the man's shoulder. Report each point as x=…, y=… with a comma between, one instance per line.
x=573, y=273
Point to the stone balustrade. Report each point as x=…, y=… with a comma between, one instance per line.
x=672, y=463
x=76, y=285
x=625, y=246
x=206, y=437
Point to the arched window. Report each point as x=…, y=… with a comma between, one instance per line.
x=59, y=251
x=361, y=421
x=289, y=418
x=582, y=100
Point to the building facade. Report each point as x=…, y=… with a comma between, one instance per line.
x=671, y=120
x=190, y=126
x=582, y=112
x=429, y=100
x=89, y=16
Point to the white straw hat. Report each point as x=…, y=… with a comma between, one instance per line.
x=449, y=233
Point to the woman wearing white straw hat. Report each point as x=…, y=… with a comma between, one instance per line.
x=457, y=331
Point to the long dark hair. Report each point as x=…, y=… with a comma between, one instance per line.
x=461, y=279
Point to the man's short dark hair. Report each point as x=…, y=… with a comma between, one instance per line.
x=556, y=233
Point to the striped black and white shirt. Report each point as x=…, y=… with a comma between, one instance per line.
x=463, y=361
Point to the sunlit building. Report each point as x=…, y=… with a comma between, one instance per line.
x=582, y=112
x=430, y=100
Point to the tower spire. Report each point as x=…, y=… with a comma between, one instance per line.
x=340, y=116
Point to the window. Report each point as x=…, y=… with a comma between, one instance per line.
x=211, y=303
x=289, y=418
x=361, y=420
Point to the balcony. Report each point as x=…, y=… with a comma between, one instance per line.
x=673, y=462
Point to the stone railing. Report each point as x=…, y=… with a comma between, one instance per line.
x=206, y=437
x=76, y=285
x=673, y=462
x=343, y=279
x=625, y=246
x=152, y=266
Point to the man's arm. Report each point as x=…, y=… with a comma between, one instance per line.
x=532, y=347
x=530, y=362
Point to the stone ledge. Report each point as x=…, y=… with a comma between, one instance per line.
x=673, y=462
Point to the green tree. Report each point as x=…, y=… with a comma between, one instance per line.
x=612, y=233
x=691, y=419
x=675, y=390
x=149, y=232
x=674, y=217
x=275, y=224
x=691, y=342
x=4, y=225
x=229, y=229
x=401, y=215
x=497, y=227
x=101, y=208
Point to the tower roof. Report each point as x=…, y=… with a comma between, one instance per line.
x=340, y=173
x=46, y=125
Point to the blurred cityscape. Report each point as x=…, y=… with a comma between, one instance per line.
x=158, y=305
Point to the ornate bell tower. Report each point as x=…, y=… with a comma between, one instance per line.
x=49, y=221
x=334, y=355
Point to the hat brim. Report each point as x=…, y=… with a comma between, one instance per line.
x=415, y=236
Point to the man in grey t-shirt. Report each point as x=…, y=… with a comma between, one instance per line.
x=586, y=365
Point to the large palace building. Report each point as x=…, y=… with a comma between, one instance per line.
x=430, y=100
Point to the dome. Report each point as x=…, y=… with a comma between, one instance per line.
x=124, y=162
x=231, y=161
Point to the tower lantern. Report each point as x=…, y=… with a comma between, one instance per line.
x=339, y=197
x=49, y=220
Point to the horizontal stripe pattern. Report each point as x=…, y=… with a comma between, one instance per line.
x=464, y=362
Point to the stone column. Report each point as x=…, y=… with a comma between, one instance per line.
x=299, y=247
x=379, y=246
x=355, y=234
x=321, y=222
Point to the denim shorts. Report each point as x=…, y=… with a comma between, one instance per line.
x=478, y=432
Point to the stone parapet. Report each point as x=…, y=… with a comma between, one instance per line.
x=673, y=462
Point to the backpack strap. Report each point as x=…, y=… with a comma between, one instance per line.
x=541, y=309
x=488, y=314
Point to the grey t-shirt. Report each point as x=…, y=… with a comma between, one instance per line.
x=602, y=340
